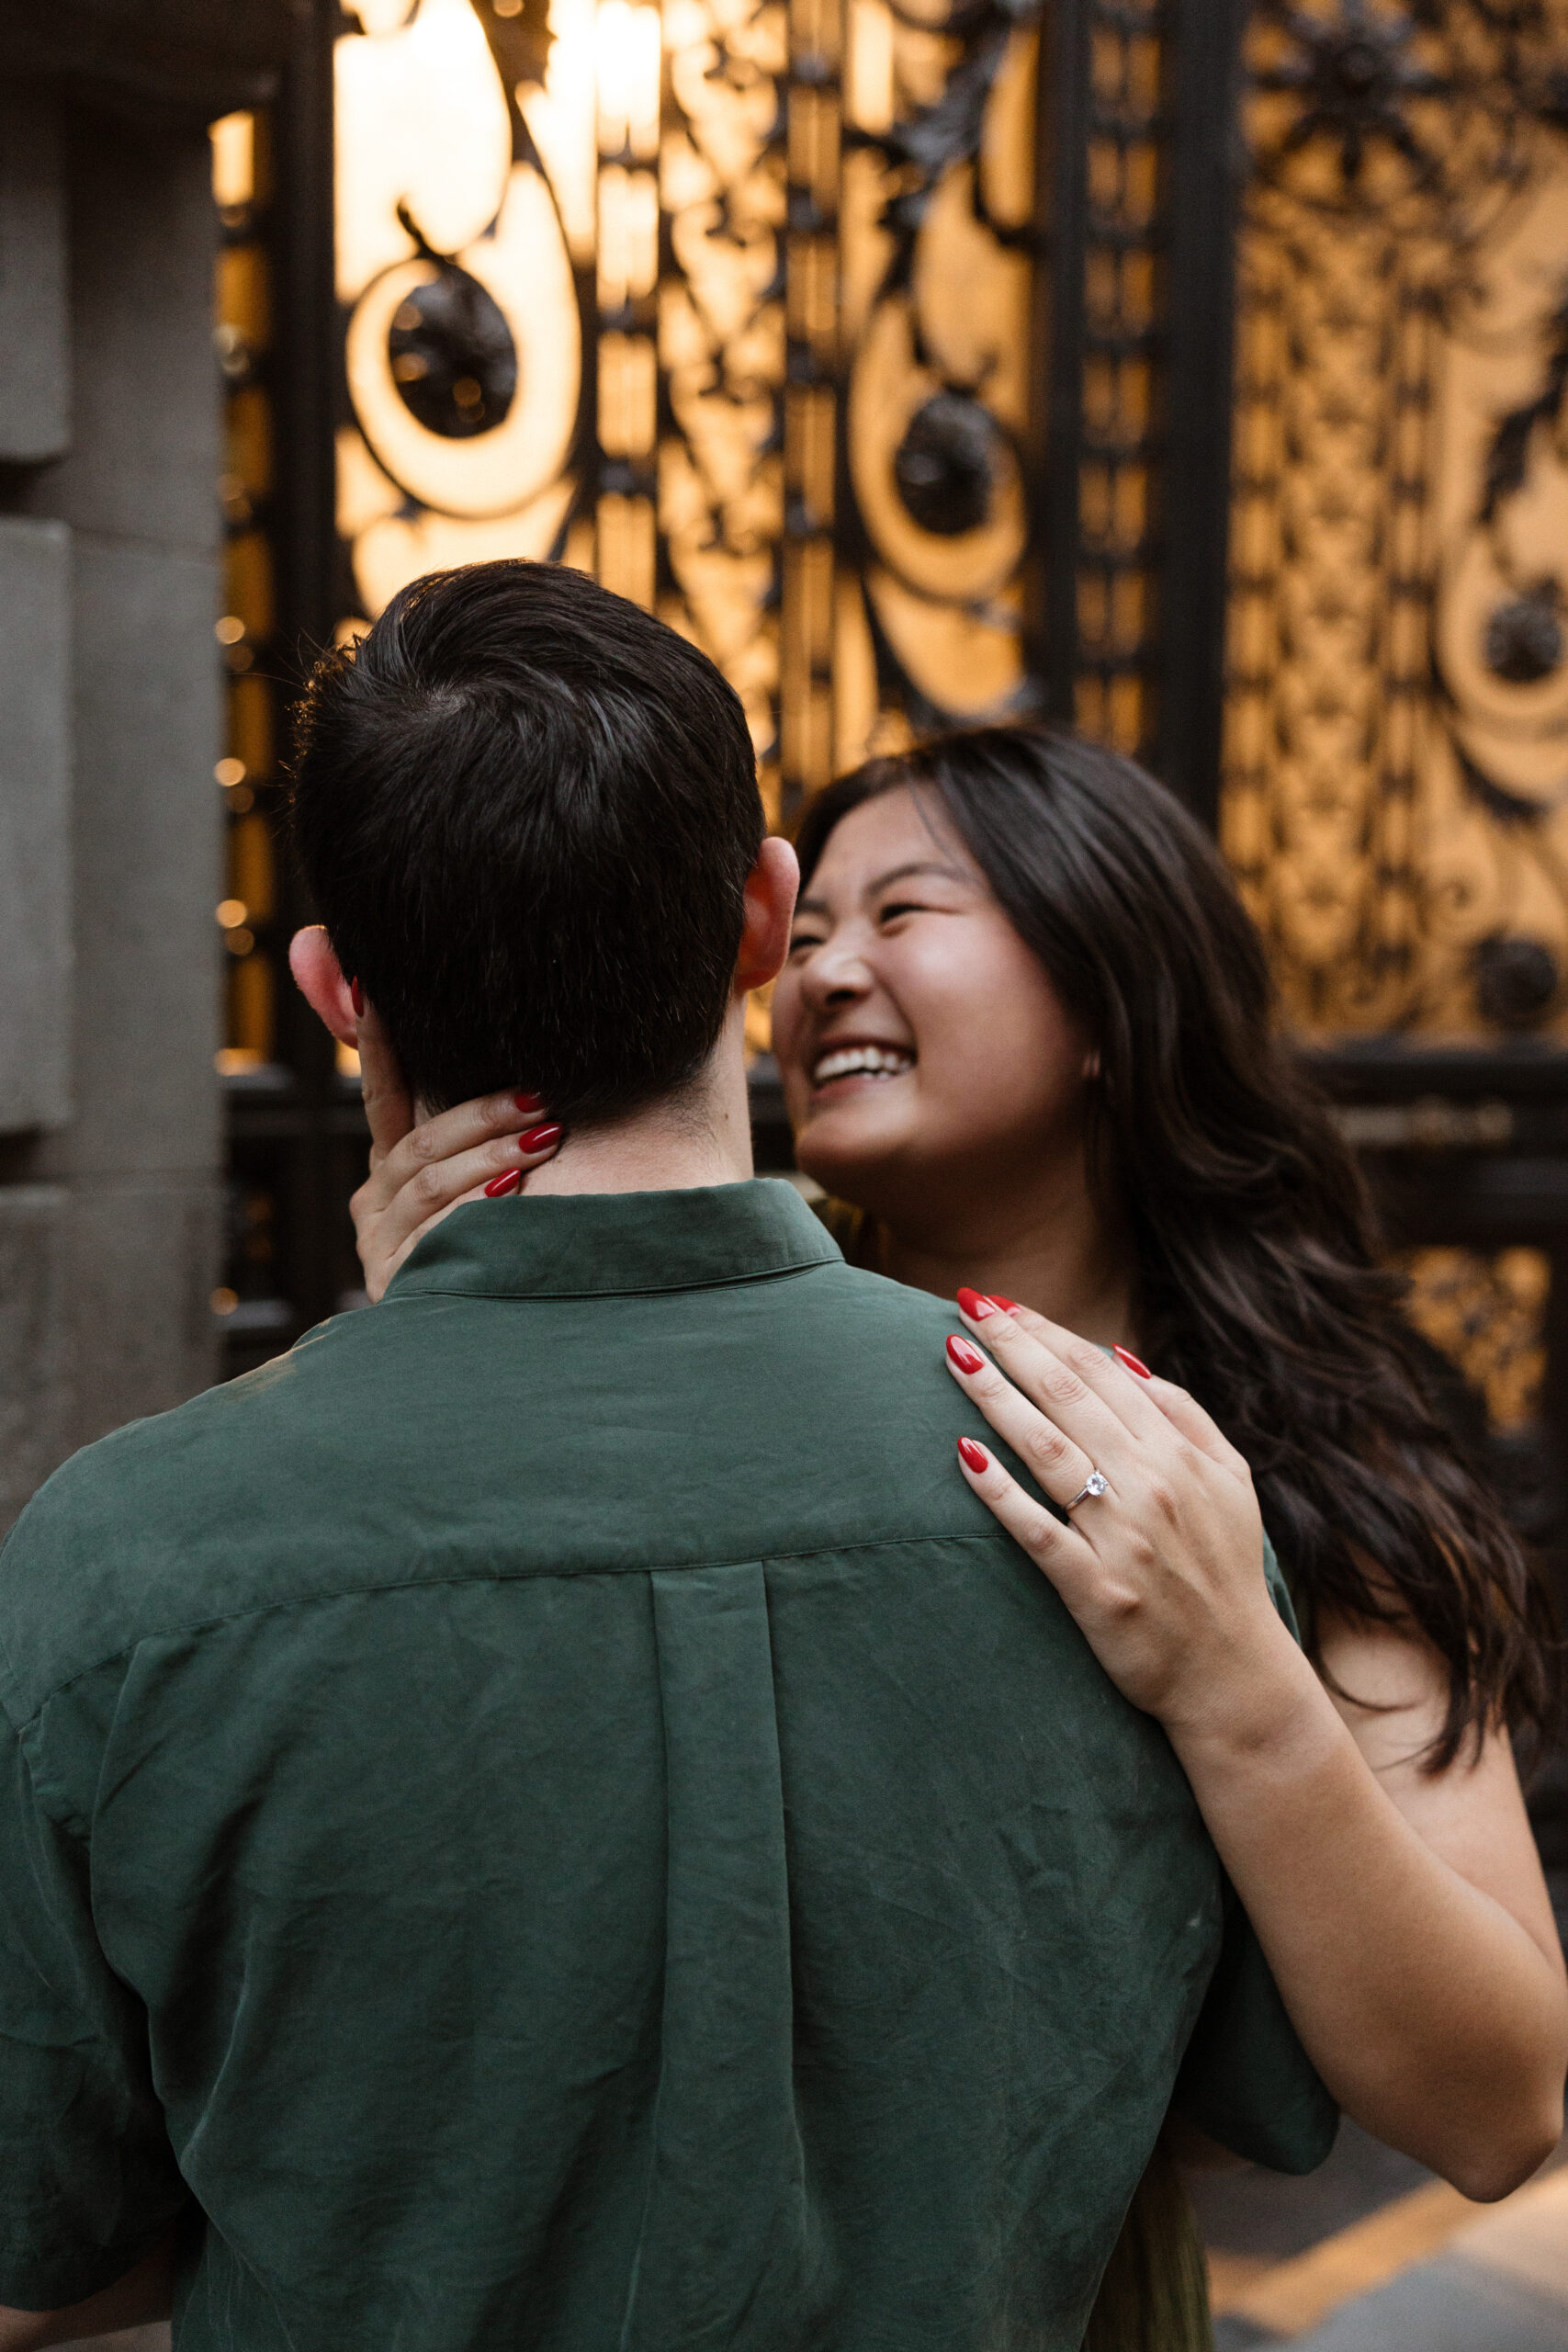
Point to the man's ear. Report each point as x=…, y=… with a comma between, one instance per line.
x=318, y=975
x=770, y=890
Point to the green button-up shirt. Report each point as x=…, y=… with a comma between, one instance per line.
x=551, y=1818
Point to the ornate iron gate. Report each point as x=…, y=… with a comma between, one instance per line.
x=1188, y=369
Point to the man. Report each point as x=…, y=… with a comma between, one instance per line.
x=551, y=1817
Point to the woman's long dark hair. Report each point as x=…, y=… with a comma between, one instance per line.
x=1258, y=1287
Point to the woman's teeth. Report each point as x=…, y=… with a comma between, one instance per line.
x=862, y=1061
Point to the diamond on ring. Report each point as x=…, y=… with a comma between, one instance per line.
x=1092, y=1486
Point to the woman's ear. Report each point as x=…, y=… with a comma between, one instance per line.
x=318, y=975
x=770, y=890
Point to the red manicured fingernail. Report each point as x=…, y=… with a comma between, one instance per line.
x=975, y=1457
x=540, y=1138
x=1008, y=1305
x=527, y=1102
x=964, y=1355
x=498, y=1184
x=975, y=1304
x=1125, y=1355
x=356, y=995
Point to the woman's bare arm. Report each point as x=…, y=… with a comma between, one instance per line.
x=1403, y=1913
x=143, y=2294
x=1404, y=1916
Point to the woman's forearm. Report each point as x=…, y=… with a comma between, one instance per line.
x=1434, y=2017
x=144, y=2293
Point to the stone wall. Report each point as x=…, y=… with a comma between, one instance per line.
x=111, y=1197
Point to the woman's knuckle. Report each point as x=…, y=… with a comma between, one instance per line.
x=1143, y=1555
x=428, y=1185
x=1162, y=1499
x=1045, y=1448
x=1041, y=1533
x=1062, y=1383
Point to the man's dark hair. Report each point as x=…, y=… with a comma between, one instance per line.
x=527, y=811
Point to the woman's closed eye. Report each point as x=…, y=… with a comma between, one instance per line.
x=896, y=908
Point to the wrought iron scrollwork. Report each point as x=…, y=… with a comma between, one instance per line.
x=1396, y=798
x=1124, y=232
x=938, y=245
x=739, y=303
x=1487, y=1312
x=721, y=344
x=463, y=342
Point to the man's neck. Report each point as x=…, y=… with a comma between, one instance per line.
x=703, y=1136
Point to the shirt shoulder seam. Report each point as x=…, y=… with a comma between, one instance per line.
x=542, y=1576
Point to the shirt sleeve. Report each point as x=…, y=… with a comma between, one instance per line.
x=1245, y=2080
x=88, y=2180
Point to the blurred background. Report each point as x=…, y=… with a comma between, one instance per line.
x=1189, y=370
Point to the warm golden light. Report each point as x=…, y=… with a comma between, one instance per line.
x=459, y=447
x=230, y=912
x=561, y=121
x=628, y=236
x=626, y=55
x=523, y=264
x=233, y=161
x=716, y=218
x=421, y=122
x=1395, y=786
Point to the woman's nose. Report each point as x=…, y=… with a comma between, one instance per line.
x=835, y=975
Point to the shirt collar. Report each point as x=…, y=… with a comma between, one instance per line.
x=603, y=1245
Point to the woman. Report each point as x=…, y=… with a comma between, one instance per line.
x=1025, y=1032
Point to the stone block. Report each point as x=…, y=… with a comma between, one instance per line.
x=34, y=1339
x=147, y=867
x=35, y=391
x=143, y=456
x=35, y=824
x=142, y=1260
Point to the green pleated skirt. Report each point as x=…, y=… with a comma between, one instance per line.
x=1155, y=2294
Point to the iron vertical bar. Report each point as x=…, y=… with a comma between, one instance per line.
x=307, y=387
x=1202, y=206
x=1064, y=144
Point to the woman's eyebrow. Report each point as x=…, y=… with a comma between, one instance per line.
x=916, y=865
x=884, y=881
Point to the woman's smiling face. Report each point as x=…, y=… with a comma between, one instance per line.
x=922, y=1047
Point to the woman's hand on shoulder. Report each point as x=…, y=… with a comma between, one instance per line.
x=1163, y=1570
x=1402, y=1912
x=419, y=1173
